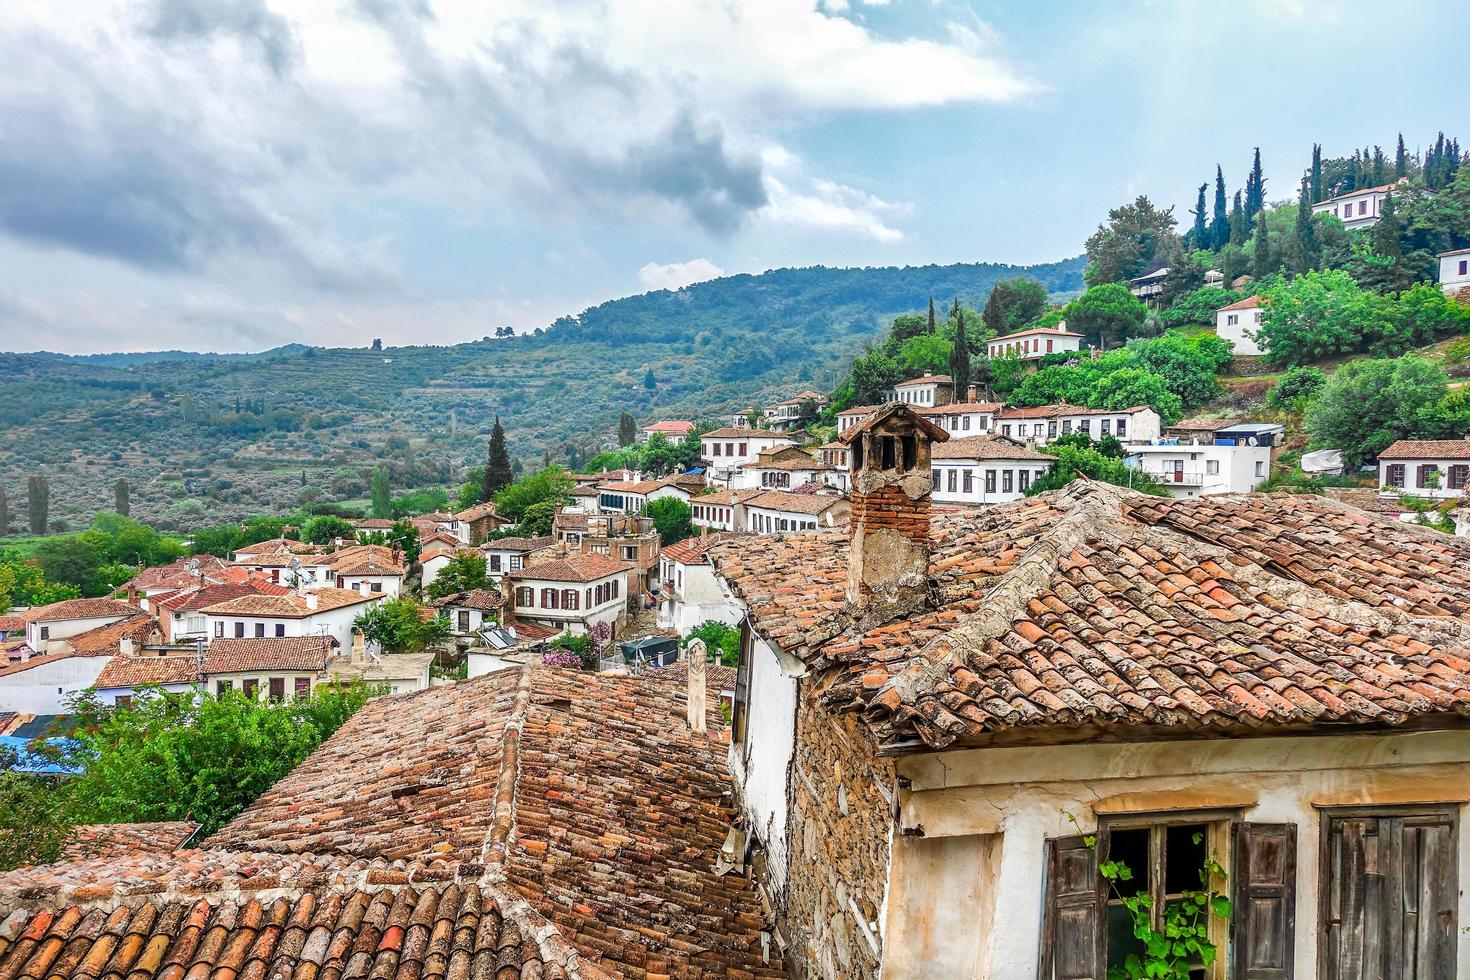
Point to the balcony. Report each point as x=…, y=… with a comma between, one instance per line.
x=1179, y=478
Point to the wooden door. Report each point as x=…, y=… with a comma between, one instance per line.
x=1390, y=895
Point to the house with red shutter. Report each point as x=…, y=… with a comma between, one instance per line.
x=1438, y=469
x=572, y=593
x=948, y=723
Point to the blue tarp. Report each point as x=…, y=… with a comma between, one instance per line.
x=32, y=764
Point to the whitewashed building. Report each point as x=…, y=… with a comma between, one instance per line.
x=970, y=418
x=1036, y=343
x=504, y=555
x=1454, y=271
x=690, y=593
x=722, y=510
x=985, y=470
x=572, y=593
x=634, y=496
x=322, y=611
x=1042, y=423
x=926, y=390
x=776, y=511
x=726, y=450
x=1356, y=209
x=49, y=627
x=781, y=468
x=1239, y=323
x=1438, y=469
x=671, y=429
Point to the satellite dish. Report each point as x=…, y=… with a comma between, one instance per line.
x=193, y=566
x=1252, y=441
x=294, y=563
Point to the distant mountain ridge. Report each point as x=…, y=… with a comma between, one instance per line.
x=203, y=438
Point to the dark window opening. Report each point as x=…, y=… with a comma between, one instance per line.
x=888, y=461
x=910, y=452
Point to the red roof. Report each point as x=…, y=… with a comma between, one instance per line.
x=1047, y=331
x=672, y=425
x=928, y=379
x=1249, y=303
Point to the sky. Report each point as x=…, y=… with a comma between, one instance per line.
x=232, y=175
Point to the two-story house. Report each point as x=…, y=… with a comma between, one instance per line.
x=969, y=418
x=984, y=470
x=511, y=554
x=1454, y=271
x=785, y=415
x=927, y=390
x=1036, y=343
x=690, y=594
x=781, y=468
x=470, y=611
x=671, y=429
x=1038, y=425
x=725, y=450
x=777, y=511
x=721, y=510
x=1356, y=209
x=49, y=627
x=634, y=496
x=181, y=614
x=572, y=593
x=1203, y=459
x=1238, y=323
x=320, y=611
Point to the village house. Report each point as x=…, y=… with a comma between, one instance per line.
x=181, y=614
x=985, y=470
x=1454, y=271
x=322, y=611
x=507, y=646
x=434, y=556
x=511, y=554
x=183, y=573
x=535, y=823
x=634, y=496
x=849, y=417
x=785, y=415
x=367, y=568
x=123, y=678
x=833, y=456
x=1149, y=287
x=476, y=522
x=672, y=430
x=967, y=418
x=721, y=510
x=781, y=468
x=631, y=540
x=773, y=511
x=723, y=451
x=393, y=673
x=572, y=593
x=927, y=389
x=43, y=683
x=244, y=554
x=1437, y=469
x=1204, y=458
x=1238, y=323
x=49, y=627
x=1036, y=343
x=470, y=611
x=273, y=666
x=1356, y=209
x=690, y=594
x=943, y=727
x=1037, y=425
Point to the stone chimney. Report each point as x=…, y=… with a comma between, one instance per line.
x=888, y=559
x=972, y=393
x=125, y=646
x=310, y=600
x=695, y=659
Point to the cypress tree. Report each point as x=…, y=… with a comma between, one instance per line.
x=38, y=502
x=1316, y=188
x=1237, y=221
x=1306, y=233
x=649, y=381
x=627, y=430
x=497, y=464
x=954, y=309
x=382, y=495
x=1200, y=233
x=1261, y=261
x=1400, y=160
x=4, y=512
x=1220, y=228
x=994, y=314
x=1388, y=232
x=1255, y=192
x=959, y=359
x=120, y=502
x=1380, y=167
x=931, y=313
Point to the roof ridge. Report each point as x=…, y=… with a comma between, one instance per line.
x=496, y=847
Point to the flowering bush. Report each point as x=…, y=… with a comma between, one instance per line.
x=559, y=657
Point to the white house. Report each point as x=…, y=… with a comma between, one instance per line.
x=721, y=510
x=512, y=554
x=276, y=667
x=49, y=626
x=985, y=469
x=671, y=429
x=1149, y=286
x=367, y=568
x=634, y=496
x=244, y=554
x=1042, y=423
x=963, y=418
x=1201, y=470
x=469, y=611
x=121, y=678
x=1356, y=209
x=780, y=469
x=786, y=414
x=928, y=390
x=433, y=559
x=1433, y=468
x=774, y=511
x=322, y=611
x=42, y=684
x=1036, y=343
x=724, y=450
x=1454, y=271
x=691, y=595
x=1238, y=323
x=572, y=593
x=835, y=456
x=849, y=417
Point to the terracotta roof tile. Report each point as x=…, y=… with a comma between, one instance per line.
x=795, y=503
x=487, y=600
x=104, y=640
x=1249, y=303
x=123, y=671
x=730, y=432
x=78, y=609
x=1094, y=606
x=198, y=598
x=988, y=447
x=230, y=655
x=115, y=841
x=573, y=568
x=1428, y=449
x=292, y=606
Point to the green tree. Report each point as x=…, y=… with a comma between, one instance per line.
x=627, y=429
x=38, y=502
x=1312, y=184
x=1262, y=264
x=959, y=360
x=1367, y=404
x=463, y=572
x=404, y=538
x=1073, y=461
x=1401, y=160
x=1007, y=373
x=1199, y=305
x=928, y=352
x=550, y=484
x=1314, y=316
x=1188, y=365
x=1106, y=313
x=1297, y=387
x=399, y=626
x=326, y=528
x=1255, y=191
x=1238, y=224
x=1129, y=243
x=196, y=755
x=873, y=372
x=673, y=519
x=1307, y=253
x=1134, y=386
x=721, y=642
x=1220, y=226
x=382, y=495
x=35, y=817
x=1012, y=304
x=538, y=519
x=649, y=381
x=120, y=501
x=497, y=464
x=1199, y=234
x=71, y=560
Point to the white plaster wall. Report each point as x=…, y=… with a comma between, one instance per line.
x=391, y=584
x=762, y=767
x=44, y=688
x=1451, y=280
x=62, y=629
x=1242, y=333
x=977, y=494
x=1411, y=476
x=974, y=796
x=109, y=695
x=434, y=566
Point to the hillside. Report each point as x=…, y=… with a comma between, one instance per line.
x=205, y=438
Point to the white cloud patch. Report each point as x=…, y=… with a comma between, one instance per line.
x=676, y=274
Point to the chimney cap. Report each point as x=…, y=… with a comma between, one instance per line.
x=893, y=409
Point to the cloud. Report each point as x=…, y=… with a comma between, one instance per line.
x=247, y=20
x=676, y=274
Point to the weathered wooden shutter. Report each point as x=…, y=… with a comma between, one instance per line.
x=1263, y=913
x=1072, y=932
x=1422, y=923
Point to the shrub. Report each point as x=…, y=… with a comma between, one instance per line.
x=1296, y=387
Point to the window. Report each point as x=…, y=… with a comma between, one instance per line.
x=1051, y=430
x=1066, y=427
x=494, y=563
x=239, y=629
x=569, y=598
x=462, y=617
x=1362, y=207
x=630, y=553
x=1105, y=424
x=1048, y=345
x=222, y=687
x=45, y=632
x=1459, y=474
x=277, y=688
x=1390, y=893
x=1428, y=476
x=219, y=627
x=950, y=479
x=249, y=685
x=260, y=629
x=1008, y=481
x=1212, y=467
x=548, y=598
x=714, y=449
x=1121, y=429
x=1005, y=430
x=966, y=420
x=1465, y=267
x=302, y=687
x=730, y=449
x=1260, y=468
x=525, y=597
x=1395, y=477
x=614, y=585
x=938, y=474
x=122, y=700
x=742, y=448
x=1231, y=319
x=1085, y=425
x=990, y=481
x=517, y=562
x=968, y=484
x=740, y=713
x=1025, y=480
x=376, y=587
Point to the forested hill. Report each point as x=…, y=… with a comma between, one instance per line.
x=210, y=437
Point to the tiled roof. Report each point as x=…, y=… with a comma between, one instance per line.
x=795, y=503
x=730, y=432
x=483, y=599
x=1249, y=303
x=691, y=551
x=292, y=606
x=104, y=640
x=233, y=655
x=1057, y=411
x=958, y=408
x=573, y=568
x=12, y=624
x=1428, y=449
x=281, y=559
x=522, y=544
x=1200, y=423
x=271, y=545
x=928, y=379
x=115, y=841
x=78, y=609
x=365, y=559
x=987, y=447
x=859, y=410
x=175, y=575
x=726, y=498
x=786, y=463
x=1057, y=331
x=1096, y=608
x=582, y=490
x=477, y=512
x=672, y=425
x=640, y=486
x=849, y=435
x=139, y=671
x=384, y=670
x=1381, y=188
x=34, y=662
x=198, y=598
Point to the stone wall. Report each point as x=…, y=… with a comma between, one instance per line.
x=839, y=847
